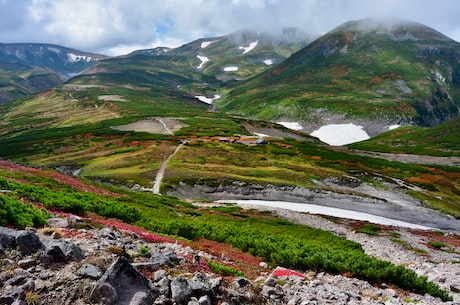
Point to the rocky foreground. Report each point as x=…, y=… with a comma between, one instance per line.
x=66, y=264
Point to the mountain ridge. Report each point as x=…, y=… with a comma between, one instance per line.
x=347, y=75
x=28, y=68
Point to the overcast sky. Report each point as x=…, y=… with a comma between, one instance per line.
x=115, y=27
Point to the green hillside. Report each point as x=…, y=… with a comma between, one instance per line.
x=387, y=73
x=17, y=80
x=199, y=67
x=441, y=140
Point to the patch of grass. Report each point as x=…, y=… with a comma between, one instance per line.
x=224, y=269
x=436, y=244
x=370, y=229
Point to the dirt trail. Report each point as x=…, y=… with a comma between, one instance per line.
x=161, y=170
x=165, y=127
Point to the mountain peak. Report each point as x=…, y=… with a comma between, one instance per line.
x=396, y=29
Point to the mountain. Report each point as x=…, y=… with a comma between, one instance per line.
x=65, y=61
x=372, y=72
x=441, y=140
x=201, y=67
x=17, y=80
x=27, y=68
x=139, y=121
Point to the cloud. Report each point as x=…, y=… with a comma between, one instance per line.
x=114, y=26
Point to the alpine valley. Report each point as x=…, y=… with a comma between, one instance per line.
x=164, y=140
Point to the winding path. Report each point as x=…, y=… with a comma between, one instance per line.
x=165, y=127
x=161, y=170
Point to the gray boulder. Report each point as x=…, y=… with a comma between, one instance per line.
x=199, y=285
x=57, y=223
x=8, y=237
x=122, y=284
x=60, y=250
x=16, y=288
x=180, y=290
x=28, y=242
x=89, y=270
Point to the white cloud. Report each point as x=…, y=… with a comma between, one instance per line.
x=117, y=25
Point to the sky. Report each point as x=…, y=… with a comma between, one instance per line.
x=116, y=27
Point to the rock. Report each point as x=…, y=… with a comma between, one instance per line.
x=243, y=282
x=26, y=263
x=160, y=259
x=16, y=289
x=89, y=270
x=57, y=223
x=151, y=267
x=7, y=298
x=164, y=287
x=271, y=281
x=216, y=286
x=180, y=290
x=59, y=250
x=28, y=242
x=204, y=300
x=2, y=250
x=455, y=287
x=162, y=300
x=8, y=237
x=263, y=265
x=158, y=275
x=199, y=285
x=122, y=284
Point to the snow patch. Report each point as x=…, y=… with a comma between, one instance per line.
x=341, y=134
x=249, y=48
x=55, y=50
x=291, y=125
x=204, y=44
x=231, y=69
x=208, y=100
x=324, y=210
x=391, y=127
x=74, y=58
x=268, y=62
x=203, y=59
x=261, y=135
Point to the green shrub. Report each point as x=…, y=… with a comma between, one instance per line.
x=370, y=229
x=436, y=244
x=20, y=215
x=224, y=269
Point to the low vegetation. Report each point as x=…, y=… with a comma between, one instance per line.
x=441, y=140
x=276, y=241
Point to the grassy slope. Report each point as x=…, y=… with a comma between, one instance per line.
x=351, y=73
x=441, y=140
x=276, y=241
x=17, y=80
x=39, y=131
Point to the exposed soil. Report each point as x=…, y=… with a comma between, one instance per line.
x=154, y=126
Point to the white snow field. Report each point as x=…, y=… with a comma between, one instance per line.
x=340, y=134
x=204, y=44
x=291, y=125
x=249, y=48
x=208, y=100
x=268, y=62
x=203, y=59
x=231, y=69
